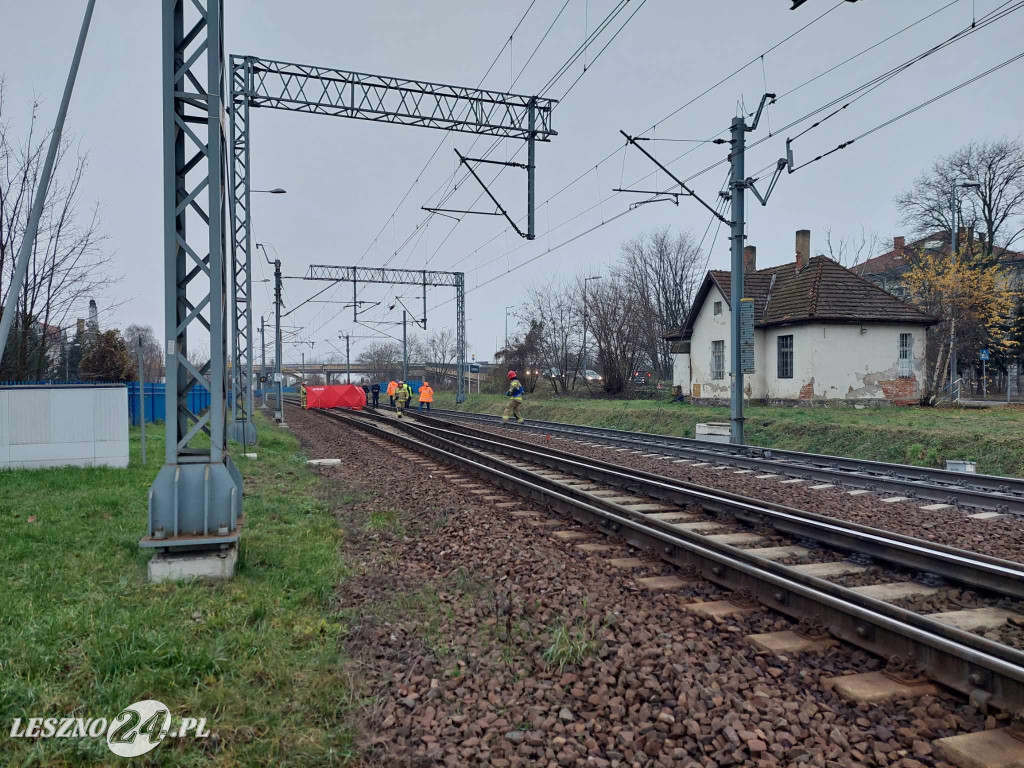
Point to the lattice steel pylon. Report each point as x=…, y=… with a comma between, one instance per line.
x=196, y=500
x=257, y=82
x=241, y=427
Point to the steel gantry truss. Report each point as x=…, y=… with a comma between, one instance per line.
x=257, y=82
x=421, y=277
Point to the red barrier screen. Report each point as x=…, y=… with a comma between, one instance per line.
x=336, y=396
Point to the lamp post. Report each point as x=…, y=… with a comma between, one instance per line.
x=506, y=327
x=274, y=191
x=583, y=354
x=278, y=376
x=263, y=362
x=953, y=233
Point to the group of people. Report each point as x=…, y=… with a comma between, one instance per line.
x=400, y=394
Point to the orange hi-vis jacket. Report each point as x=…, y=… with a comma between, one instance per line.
x=392, y=387
x=426, y=394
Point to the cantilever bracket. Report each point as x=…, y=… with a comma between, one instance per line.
x=357, y=311
x=760, y=109
x=771, y=186
x=686, y=190
x=466, y=161
x=447, y=212
x=674, y=199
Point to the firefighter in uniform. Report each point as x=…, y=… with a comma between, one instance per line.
x=302, y=394
x=392, y=386
x=375, y=392
x=403, y=394
x=426, y=395
x=514, y=405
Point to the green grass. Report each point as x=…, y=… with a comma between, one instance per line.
x=570, y=645
x=910, y=435
x=82, y=633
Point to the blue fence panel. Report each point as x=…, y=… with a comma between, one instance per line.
x=156, y=401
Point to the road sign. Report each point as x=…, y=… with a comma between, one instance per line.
x=984, y=355
x=263, y=379
x=474, y=369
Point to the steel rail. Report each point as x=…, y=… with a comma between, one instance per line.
x=975, y=569
x=989, y=673
x=990, y=492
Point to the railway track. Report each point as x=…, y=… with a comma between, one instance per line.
x=984, y=492
x=707, y=533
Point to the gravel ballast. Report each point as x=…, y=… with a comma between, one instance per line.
x=477, y=638
x=1002, y=537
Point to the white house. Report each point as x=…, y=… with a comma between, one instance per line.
x=820, y=333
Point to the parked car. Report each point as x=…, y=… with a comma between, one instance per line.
x=592, y=376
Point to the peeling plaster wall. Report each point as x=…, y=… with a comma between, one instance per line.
x=681, y=372
x=709, y=327
x=842, y=362
x=831, y=361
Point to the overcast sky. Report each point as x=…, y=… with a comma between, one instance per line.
x=345, y=178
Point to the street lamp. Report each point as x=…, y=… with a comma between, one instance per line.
x=274, y=191
x=584, y=353
x=278, y=374
x=953, y=233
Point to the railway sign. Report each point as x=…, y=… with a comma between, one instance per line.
x=747, y=336
x=474, y=369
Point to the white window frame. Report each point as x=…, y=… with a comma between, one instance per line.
x=716, y=308
x=778, y=356
x=905, y=364
x=718, y=359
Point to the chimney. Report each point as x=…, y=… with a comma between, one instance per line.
x=899, y=243
x=80, y=326
x=94, y=318
x=803, y=248
x=749, y=259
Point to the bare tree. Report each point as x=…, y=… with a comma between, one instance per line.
x=69, y=258
x=995, y=209
x=152, y=352
x=851, y=251
x=556, y=307
x=383, y=359
x=442, y=354
x=662, y=273
x=620, y=332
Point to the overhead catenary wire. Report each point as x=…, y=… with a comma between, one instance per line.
x=862, y=135
x=912, y=110
x=886, y=76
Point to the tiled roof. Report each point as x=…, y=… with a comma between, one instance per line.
x=821, y=291
x=898, y=259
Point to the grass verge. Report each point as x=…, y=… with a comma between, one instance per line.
x=909, y=435
x=83, y=634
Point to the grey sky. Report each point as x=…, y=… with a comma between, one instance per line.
x=345, y=177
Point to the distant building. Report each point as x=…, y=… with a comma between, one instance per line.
x=886, y=270
x=821, y=333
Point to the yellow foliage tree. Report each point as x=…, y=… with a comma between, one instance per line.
x=970, y=299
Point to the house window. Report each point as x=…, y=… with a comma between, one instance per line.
x=785, y=344
x=717, y=359
x=718, y=308
x=906, y=369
